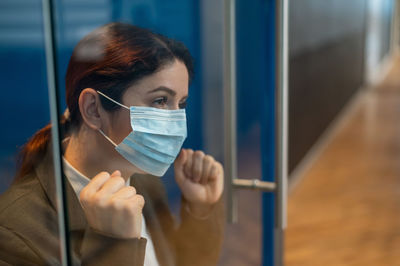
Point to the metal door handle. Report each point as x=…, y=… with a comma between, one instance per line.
x=230, y=149
x=255, y=184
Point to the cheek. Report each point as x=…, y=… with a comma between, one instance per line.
x=121, y=126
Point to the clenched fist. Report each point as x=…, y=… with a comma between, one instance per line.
x=111, y=207
x=200, y=178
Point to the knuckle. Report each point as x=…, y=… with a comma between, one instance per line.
x=119, y=180
x=131, y=189
x=101, y=177
x=103, y=174
x=140, y=200
x=98, y=200
x=199, y=154
x=196, y=168
x=219, y=166
x=208, y=158
x=216, y=170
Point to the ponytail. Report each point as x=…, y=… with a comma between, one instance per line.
x=36, y=148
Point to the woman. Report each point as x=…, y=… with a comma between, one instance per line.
x=126, y=90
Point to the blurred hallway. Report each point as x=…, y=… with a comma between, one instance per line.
x=346, y=208
x=277, y=96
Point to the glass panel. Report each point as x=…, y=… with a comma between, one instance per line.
x=28, y=218
x=113, y=66
x=132, y=215
x=255, y=98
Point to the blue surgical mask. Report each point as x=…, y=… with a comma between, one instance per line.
x=156, y=138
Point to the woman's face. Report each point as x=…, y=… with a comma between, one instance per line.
x=165, y=89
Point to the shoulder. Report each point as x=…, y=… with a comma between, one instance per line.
x=15, y=251
x=26, y=220
x=15, y=194
x=25, y=202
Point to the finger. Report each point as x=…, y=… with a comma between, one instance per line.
x=217, y=175
x=197, y=166
x=189, y=162
x=112, y=185
x=214, y=172
x=125, y=192
x=217, y=178
x=95, y=184
x=207, y=165
x=137, y=200
x=116, y=173
x=180, y=160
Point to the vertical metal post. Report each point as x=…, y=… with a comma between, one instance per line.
x=282, y=95
x=51, y=63
x=395, y=29
x=230, y=145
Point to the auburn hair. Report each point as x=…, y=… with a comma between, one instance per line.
x=110, y=59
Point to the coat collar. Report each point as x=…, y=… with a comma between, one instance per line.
x=148, y=186
x=46, y=176
x=158, y=217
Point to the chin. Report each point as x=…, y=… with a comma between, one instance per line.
x=131, y=169
x=128, y=169
x=140, y=171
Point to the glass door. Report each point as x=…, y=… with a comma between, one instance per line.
x=236, y=113
x=256, y=129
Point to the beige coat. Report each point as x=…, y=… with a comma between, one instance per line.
x=29, y=228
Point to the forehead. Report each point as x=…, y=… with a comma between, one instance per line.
x=173, y=76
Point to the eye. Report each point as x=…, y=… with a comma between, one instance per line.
x=182, y=105
x=161, y=101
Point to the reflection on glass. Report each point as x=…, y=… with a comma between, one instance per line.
x=28, y=225
x=126, y=92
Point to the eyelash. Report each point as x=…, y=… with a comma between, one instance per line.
x=182, y=105
x=163, y=101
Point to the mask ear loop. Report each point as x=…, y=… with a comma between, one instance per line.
x=114, y=101
x=110, y=140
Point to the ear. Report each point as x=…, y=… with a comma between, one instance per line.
x=89, y=106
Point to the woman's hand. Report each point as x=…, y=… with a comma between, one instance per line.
x=200, y=178
x=111, y=207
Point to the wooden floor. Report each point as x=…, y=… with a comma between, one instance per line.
x=346, y=209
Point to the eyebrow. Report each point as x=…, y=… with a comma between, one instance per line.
x=162, y=88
